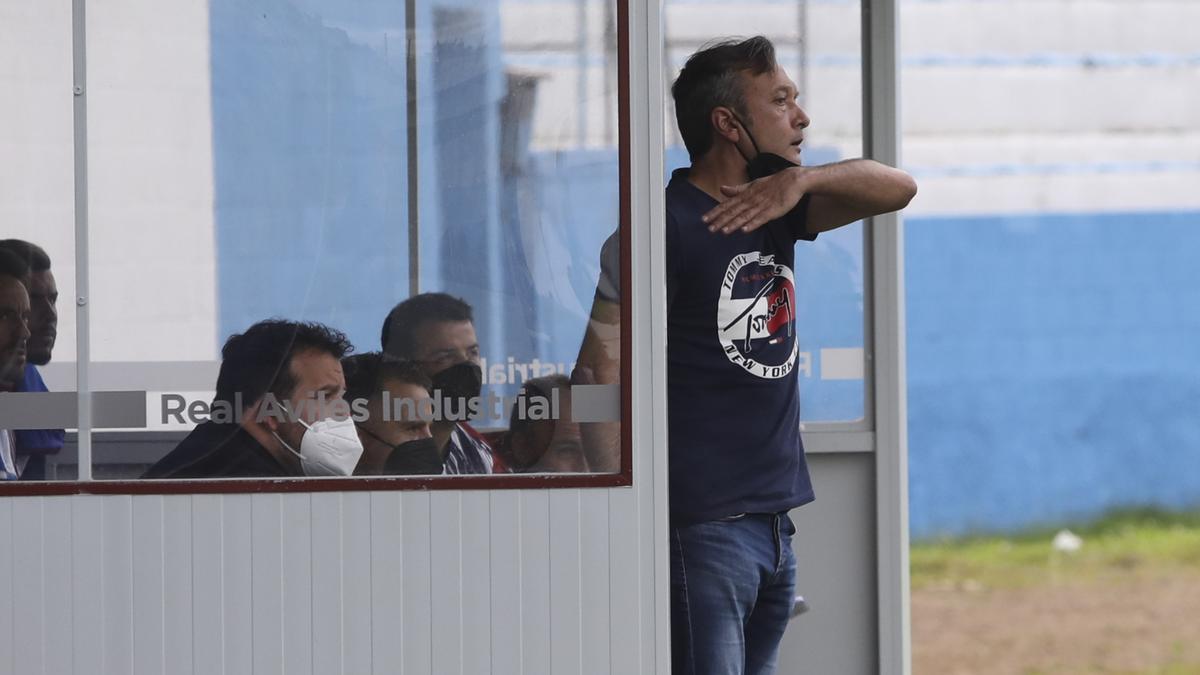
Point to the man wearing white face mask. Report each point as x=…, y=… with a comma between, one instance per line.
x=282, y=385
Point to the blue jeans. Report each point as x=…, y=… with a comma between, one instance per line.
x=732, y=587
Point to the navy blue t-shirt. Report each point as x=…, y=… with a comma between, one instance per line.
x=733, y=405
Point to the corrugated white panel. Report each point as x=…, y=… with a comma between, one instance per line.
x=117, y=585
x=476, y=581
x=266, y=573
x=565, y=582
x=445, y=581
x=356, y=582
x=177, y=585
x=148, y=548
x=56, y=523
x=417, y=636
x=28, y=612
x=296, y=583
x=595, y=578
x=208, y=643
x=387, y=586
x=327, y=583
x=7, y=582
x=87, y=584
x=534, y=578
x=237, y=586
x=505, y=583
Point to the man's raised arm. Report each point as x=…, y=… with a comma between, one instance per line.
x=841, y=193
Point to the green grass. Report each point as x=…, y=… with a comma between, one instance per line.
x=1129, y=540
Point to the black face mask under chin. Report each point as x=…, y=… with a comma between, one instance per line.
x=763, y=164
x=414, y=458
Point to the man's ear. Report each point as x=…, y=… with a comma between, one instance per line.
x=255, y=415
x=725, y=124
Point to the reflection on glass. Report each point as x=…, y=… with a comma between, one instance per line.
x=438, y=197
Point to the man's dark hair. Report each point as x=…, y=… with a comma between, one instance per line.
x=13, y=265
x=34, y=256
x=366, y=374
x=710, y=79
x=259, y=361
x=400, y=327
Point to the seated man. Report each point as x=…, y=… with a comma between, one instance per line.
x=14, y=337
x=437, y=332
x=32, y=445
x=391, y=404
x=536, y=442
x=278, y=409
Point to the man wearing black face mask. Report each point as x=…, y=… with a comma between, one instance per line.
x=736, y=463
x=437, y=332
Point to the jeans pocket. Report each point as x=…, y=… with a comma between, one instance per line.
x=786, y=526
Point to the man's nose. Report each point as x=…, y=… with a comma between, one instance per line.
x=425, y=432
x=801, y=119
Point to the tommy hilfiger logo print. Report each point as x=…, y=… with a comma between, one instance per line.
x=756, y=314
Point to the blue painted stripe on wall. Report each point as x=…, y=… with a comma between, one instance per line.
x=1054, y=367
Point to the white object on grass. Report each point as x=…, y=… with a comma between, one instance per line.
x=1067, y=541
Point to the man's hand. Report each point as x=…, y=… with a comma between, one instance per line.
x=749, y=206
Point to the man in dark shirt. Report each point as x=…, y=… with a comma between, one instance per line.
x=32, y=445
x=278, y=410
x=736, y=461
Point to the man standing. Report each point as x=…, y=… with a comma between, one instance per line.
x=32, y=445
x=736, y=461
x=278, y=409
x=14, y=340
x=437, y=332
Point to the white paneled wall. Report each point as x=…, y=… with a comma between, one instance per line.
x=327, y=583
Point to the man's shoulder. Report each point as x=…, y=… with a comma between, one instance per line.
x=32, y=380
x=214, y=450
x=680, y=198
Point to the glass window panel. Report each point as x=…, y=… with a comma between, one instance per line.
x=37, y=349
x=262, y=160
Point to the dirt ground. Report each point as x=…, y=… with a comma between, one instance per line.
x=1120, y=623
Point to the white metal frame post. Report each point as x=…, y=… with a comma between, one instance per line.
x=649, y=296
x=881, y=136
x=82, y=314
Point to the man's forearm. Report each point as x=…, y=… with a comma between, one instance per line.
x=850, y=190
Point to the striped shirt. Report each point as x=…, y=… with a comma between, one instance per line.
x=467, y=453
